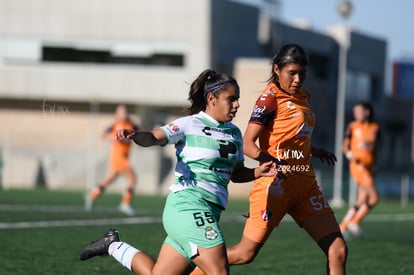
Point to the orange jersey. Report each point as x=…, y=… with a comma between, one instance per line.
x=288, y=124
x=363, y=137
x=120, y=147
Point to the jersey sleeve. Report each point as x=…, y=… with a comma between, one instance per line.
x=175, y=130
x=109, y=129
x=239, y=139
x=264, y=109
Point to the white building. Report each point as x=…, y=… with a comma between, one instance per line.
x=58, y=57
x=64, y=65
x=106, y=51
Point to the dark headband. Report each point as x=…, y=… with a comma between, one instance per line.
x=219, y=86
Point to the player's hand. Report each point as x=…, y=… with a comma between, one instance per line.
x=283, y=170
x=267, y=169
x=123, y=134
x=325, y=156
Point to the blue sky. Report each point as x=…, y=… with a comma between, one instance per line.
x=391, y=20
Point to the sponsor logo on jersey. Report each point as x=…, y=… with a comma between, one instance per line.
x=258, y=111
x=290, y=105
x=304, y=131
x=207, y=130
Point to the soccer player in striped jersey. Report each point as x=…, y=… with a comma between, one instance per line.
x=119, y=163
x=359, y=146
x=209, y=154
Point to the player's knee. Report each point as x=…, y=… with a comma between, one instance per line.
x=373, y=202
x=338, y=251
x=132, y=176
x=334, y=247
x=217, y=269
x=223, y=270
x=246, y=256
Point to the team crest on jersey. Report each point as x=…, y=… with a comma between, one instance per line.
x=174, y=127
x=265, y=214
x=211, y=234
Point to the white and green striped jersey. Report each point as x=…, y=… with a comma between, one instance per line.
x=207, y=152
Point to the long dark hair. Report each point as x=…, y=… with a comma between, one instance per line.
x=288, y=54
x=207, y=82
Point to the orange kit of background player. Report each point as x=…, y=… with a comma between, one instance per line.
x=359, y=146
x=119, y=163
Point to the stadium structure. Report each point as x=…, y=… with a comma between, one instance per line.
x=64, y=65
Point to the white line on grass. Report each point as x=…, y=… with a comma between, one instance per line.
x=147, y=220
x=390, y=217
x=61, y=208
x=67, y=223
x=136, y=220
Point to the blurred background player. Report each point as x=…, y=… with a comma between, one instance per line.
x=360, y=143
x=119, y=163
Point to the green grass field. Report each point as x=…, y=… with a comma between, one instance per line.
x=42, y=232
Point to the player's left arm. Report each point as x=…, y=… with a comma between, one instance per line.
x=242, y=173
x=325, y=156
x=143, y=138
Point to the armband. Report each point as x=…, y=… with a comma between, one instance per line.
x=245, y=176
x=264, y=157
x=250, y=174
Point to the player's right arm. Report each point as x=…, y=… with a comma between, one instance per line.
x=143, y=138
x=106, y=133
x=251, y=134
x=263, y=112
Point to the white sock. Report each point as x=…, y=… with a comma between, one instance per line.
x=123, y=253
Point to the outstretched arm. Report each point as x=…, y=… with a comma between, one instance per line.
x=243, y=174
x=143, y=138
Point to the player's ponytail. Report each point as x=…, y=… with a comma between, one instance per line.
x=207, y=82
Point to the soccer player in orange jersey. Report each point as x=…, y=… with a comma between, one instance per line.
x=119, y=163
x=359, y=146
x=282, y=121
